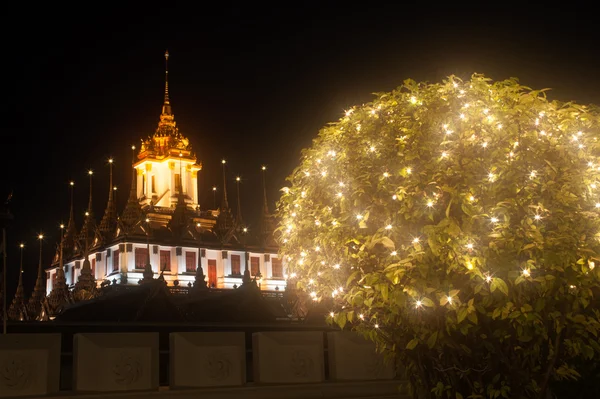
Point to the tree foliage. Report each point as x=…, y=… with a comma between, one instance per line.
x=457, y=225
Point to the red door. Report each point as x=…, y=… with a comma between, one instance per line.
x=212, y=272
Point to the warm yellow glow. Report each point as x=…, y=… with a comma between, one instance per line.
x=62, y=226
x=394, y=253
x=494, y=219
x=72, y=183
x=418, y=304
x=469, y=266
x=245, y=230
x=22, y=245
x=488, y=278
x=197, y=224
x=526, y=272
x=237, y=178
x=87, y=214
x=469, y=246
x=214, y=189
x=223, y=162
x=388, y=227
x=115, y=188
x=147, y=220
x=264, y=167
x=416, y=240
x=110, y=160
x=90, y=172
x=41, y=236
x=133, y=147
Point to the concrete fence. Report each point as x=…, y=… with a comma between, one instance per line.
x=210, y=364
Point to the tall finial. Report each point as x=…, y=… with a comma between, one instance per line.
x=166, y=110
x=238, y=217
x=109, y=220
x=71, y=223
x=90, y=173
x=224, y=202
x=265, y=203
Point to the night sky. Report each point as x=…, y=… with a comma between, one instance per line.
x=252, y=84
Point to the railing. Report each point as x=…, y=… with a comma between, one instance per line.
x=276, y=338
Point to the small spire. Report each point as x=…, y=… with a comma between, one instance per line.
x=267, y=224
x=17, y=309
x=109, y=220
x=148, y=273
x=89, y=224
x=90, y=173
x=225, y=222
x=265, y=203
x=239, y=222
x=38, y=295
x=132, y=212
x=166, y=109
x=224, y=202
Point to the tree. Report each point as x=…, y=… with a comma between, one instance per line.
x=457, y=225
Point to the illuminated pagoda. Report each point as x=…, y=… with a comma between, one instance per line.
x=164, y=233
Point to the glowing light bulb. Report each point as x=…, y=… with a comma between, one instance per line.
x=488, y=278
x=341, y=184
x=133, y=147
x=491, y=176
x=21, y=245
x=494, y=219
x=499, y=125
x=386, y=174
x=361, y=316
x=532, y=174
x=416, y=240
x=394, y=197
x=333, y=222
x=237, y=178
x=526, y=272
x=394, y=253
x=429, y=204
x=110, y=160
x=323, y=173
x=484, y=144
x=41, y=236
x=339, y=195
x=317, y=248
x=593, y=185
x=388, y=227
x=359, y=217
x=449, y=298
x=418, y=304
x=336, y=266
x=469, y=246
x=372, y=148
x=592, y=265
x=469, y=266
x=313, y=294
x=408, y=171
x=90, y=172
x=303, y=194
x=376, y=325
x=413, y=100
x=537, y=217
x=486, y=111
x=263, y=167
x=223, y=161
x=444, y=154
x=303, y=254
x=471, y=198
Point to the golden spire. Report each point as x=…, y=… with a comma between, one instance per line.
x=109, y=220
x=238, y=218
x=166, y=109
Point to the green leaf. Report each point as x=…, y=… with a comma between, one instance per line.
x=427, y=302
x=432, y=339
x=412, y=344
x=498, y=283
x=462, y=313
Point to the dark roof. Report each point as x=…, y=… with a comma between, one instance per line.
x=153, y=302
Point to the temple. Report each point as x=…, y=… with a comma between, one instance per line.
x=163, y=233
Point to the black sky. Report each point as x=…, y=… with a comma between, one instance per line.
x=250, y=83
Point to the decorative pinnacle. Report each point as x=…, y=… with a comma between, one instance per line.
x=167, y=104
